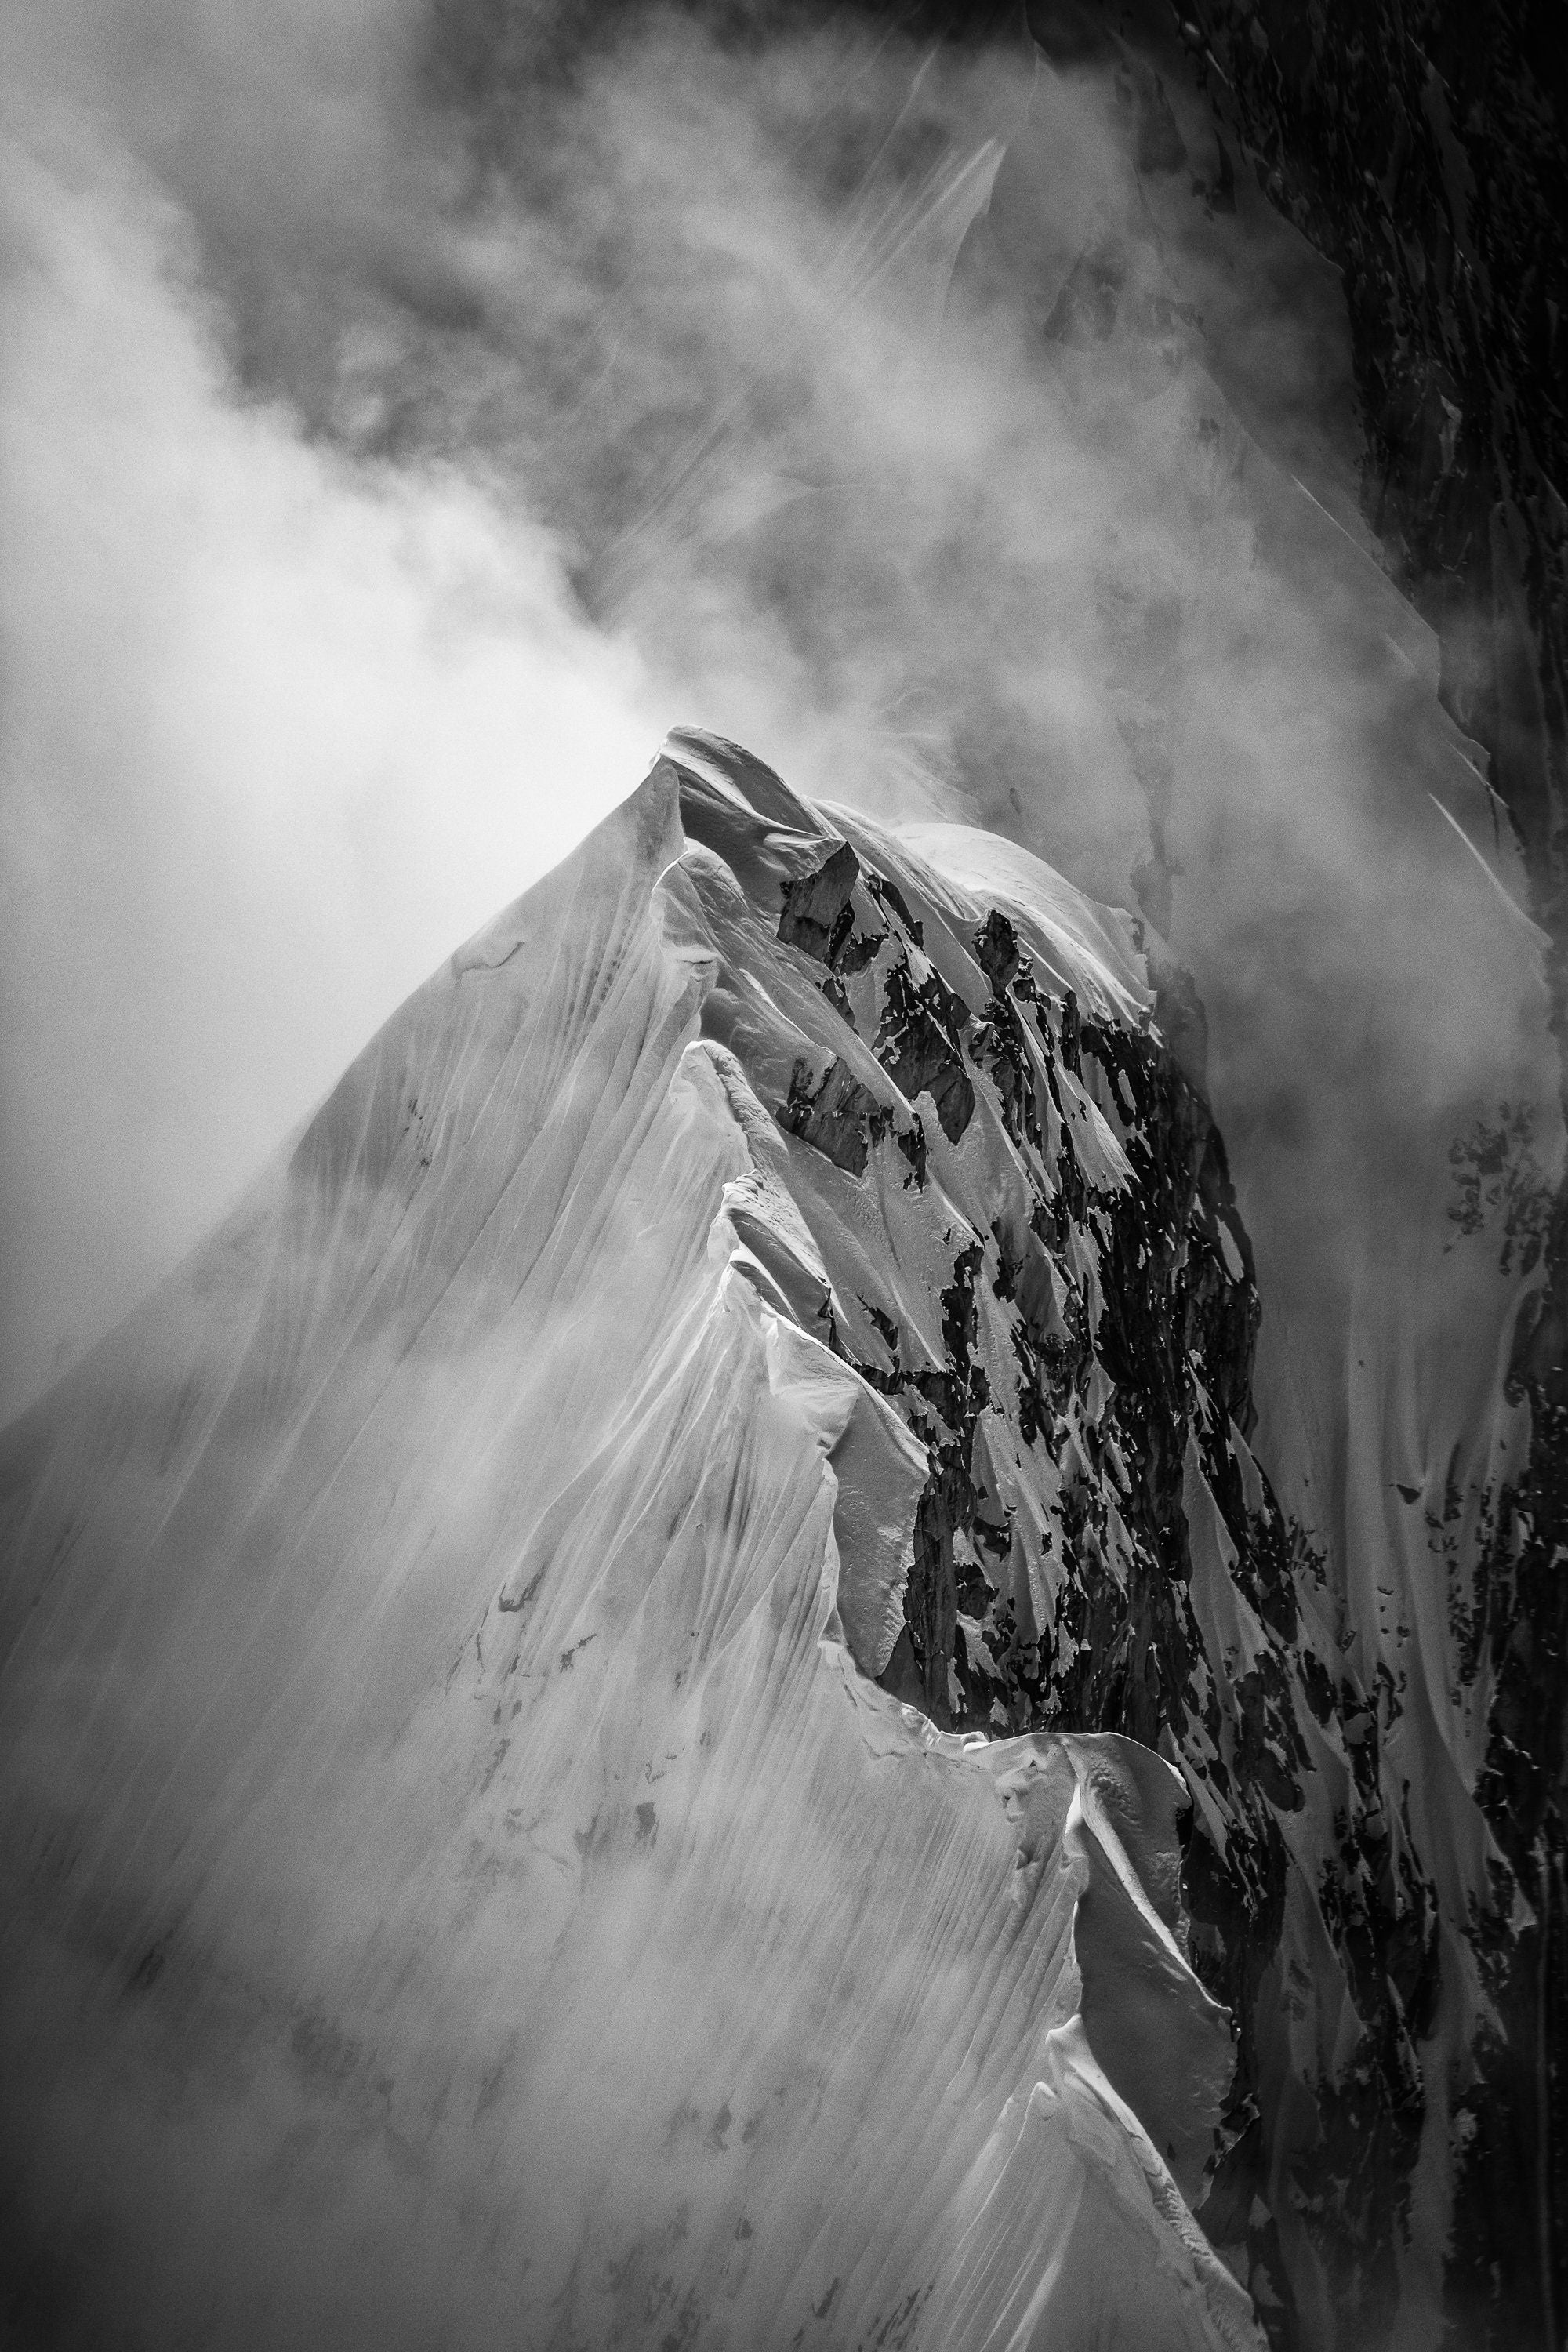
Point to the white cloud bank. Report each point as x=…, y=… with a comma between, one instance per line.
x=276, y=734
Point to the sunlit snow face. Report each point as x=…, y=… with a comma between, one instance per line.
x=450, y=1830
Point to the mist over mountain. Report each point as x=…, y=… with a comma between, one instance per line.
x=834, y=1616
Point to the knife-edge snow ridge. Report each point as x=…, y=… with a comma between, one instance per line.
x=542, y=1672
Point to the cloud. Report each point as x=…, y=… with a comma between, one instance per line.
x=280, y=730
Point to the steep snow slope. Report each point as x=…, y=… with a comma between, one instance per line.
x=462, y=1876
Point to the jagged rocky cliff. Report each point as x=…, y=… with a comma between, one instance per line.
x=1096, y=1548
x=584, y=1689
x=1424, y=151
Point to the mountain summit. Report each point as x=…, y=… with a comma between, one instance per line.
x=659, y=1702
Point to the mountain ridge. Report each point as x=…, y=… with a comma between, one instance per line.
x=775, y=1264
x=443, y=1809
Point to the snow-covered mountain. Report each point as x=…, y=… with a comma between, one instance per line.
x=746, y=1662
x=659, y=1700
x=494, y=1846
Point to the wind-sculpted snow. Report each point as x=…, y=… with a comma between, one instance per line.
x=659, y=1700
x=1031, y=1247
x=463, y=1877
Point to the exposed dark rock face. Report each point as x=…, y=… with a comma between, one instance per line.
x=1425, y=151
x=817, y=915
x=839, y=1118
x=1096, y=1548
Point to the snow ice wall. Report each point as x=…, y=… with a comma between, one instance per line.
x=463, y=1879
